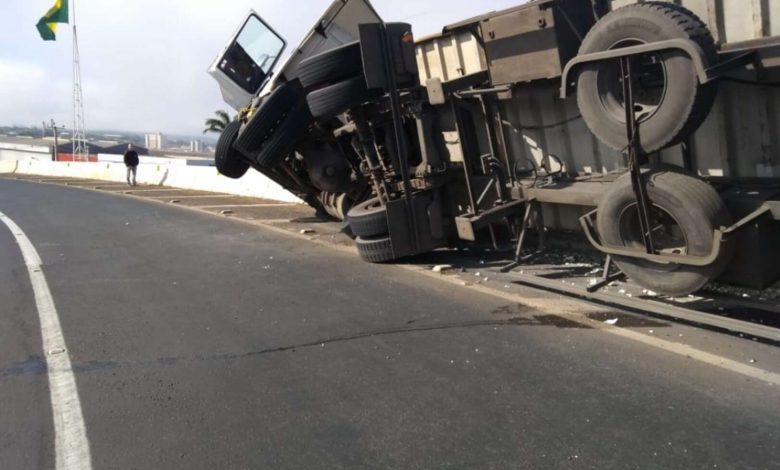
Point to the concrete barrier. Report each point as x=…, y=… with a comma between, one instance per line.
x=201, y=178
x=24, y=152
x=8, y=166
x=111, y=158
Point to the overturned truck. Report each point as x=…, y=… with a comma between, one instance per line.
x=653, y=127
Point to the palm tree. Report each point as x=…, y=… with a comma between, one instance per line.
x=217, y=124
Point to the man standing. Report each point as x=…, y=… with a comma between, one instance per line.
x=131, y=162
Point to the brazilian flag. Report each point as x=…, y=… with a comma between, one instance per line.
x=47, y=25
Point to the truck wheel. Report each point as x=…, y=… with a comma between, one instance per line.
x=336, y=99
x=228, y=161
x=285, y=137
x=685, y=213
x=368, y=219
x=267, y=118
x=331, y=66
x=671, y=104
x=377, y=249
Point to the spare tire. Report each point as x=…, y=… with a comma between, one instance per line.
x=368, y=219
x=331, y=66
x=228, y=161
x=267, y=117
x=336, y=99
x=684, y=215
x=671, y=104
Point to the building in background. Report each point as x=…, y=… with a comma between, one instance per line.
x=155, y=141
x=196, y=146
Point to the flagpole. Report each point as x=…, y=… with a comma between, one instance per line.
x=74, y=47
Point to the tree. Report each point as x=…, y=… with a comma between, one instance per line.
x=219, y=123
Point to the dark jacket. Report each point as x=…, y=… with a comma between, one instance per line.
x=131, y=158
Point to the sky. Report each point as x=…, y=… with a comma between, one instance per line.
x=143, y=62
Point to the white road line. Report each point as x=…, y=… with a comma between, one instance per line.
x=70, y=436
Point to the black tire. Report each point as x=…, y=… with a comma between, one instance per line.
x=265, y=120
x=285, y=138
x=336, y=99
x=331, y=66
x=675, y=104
x=368, y=219
x=375, y=249
x=691, y=209
x=228, y=161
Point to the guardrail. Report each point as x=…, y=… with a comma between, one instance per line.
x=201, y=178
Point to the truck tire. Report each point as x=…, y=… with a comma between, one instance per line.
x=331, y=66
x=671, y=102
x=336, y=99
x=285, y=137
x=228, y=161
x=265, y=120
x=368, y=219
x=687, y=211
x=377, y=249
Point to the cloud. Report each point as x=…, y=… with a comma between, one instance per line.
x=27, y=90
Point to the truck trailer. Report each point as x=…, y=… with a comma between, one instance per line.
x=652, y=128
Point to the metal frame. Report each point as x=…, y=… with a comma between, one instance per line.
x=532, y=206
x=587, y=224
x=720, y=237
x=635, y=156
x=705, y=73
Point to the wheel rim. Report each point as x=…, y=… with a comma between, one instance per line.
x=669, y=238
x=370, y=206
x=649, y=84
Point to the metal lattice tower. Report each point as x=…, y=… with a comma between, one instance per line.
x=80, y=149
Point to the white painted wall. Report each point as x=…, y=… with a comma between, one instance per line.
x=105, y=157
x=253, y=184
x=24, y=152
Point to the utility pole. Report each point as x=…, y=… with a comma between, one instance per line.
x=55, y=155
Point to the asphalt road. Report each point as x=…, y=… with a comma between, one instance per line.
x=199, y=342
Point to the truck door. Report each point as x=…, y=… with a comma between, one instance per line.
x=247, y=63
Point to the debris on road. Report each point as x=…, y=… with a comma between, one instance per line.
x=611, y=321
x=307, y=231
x=442, y=268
